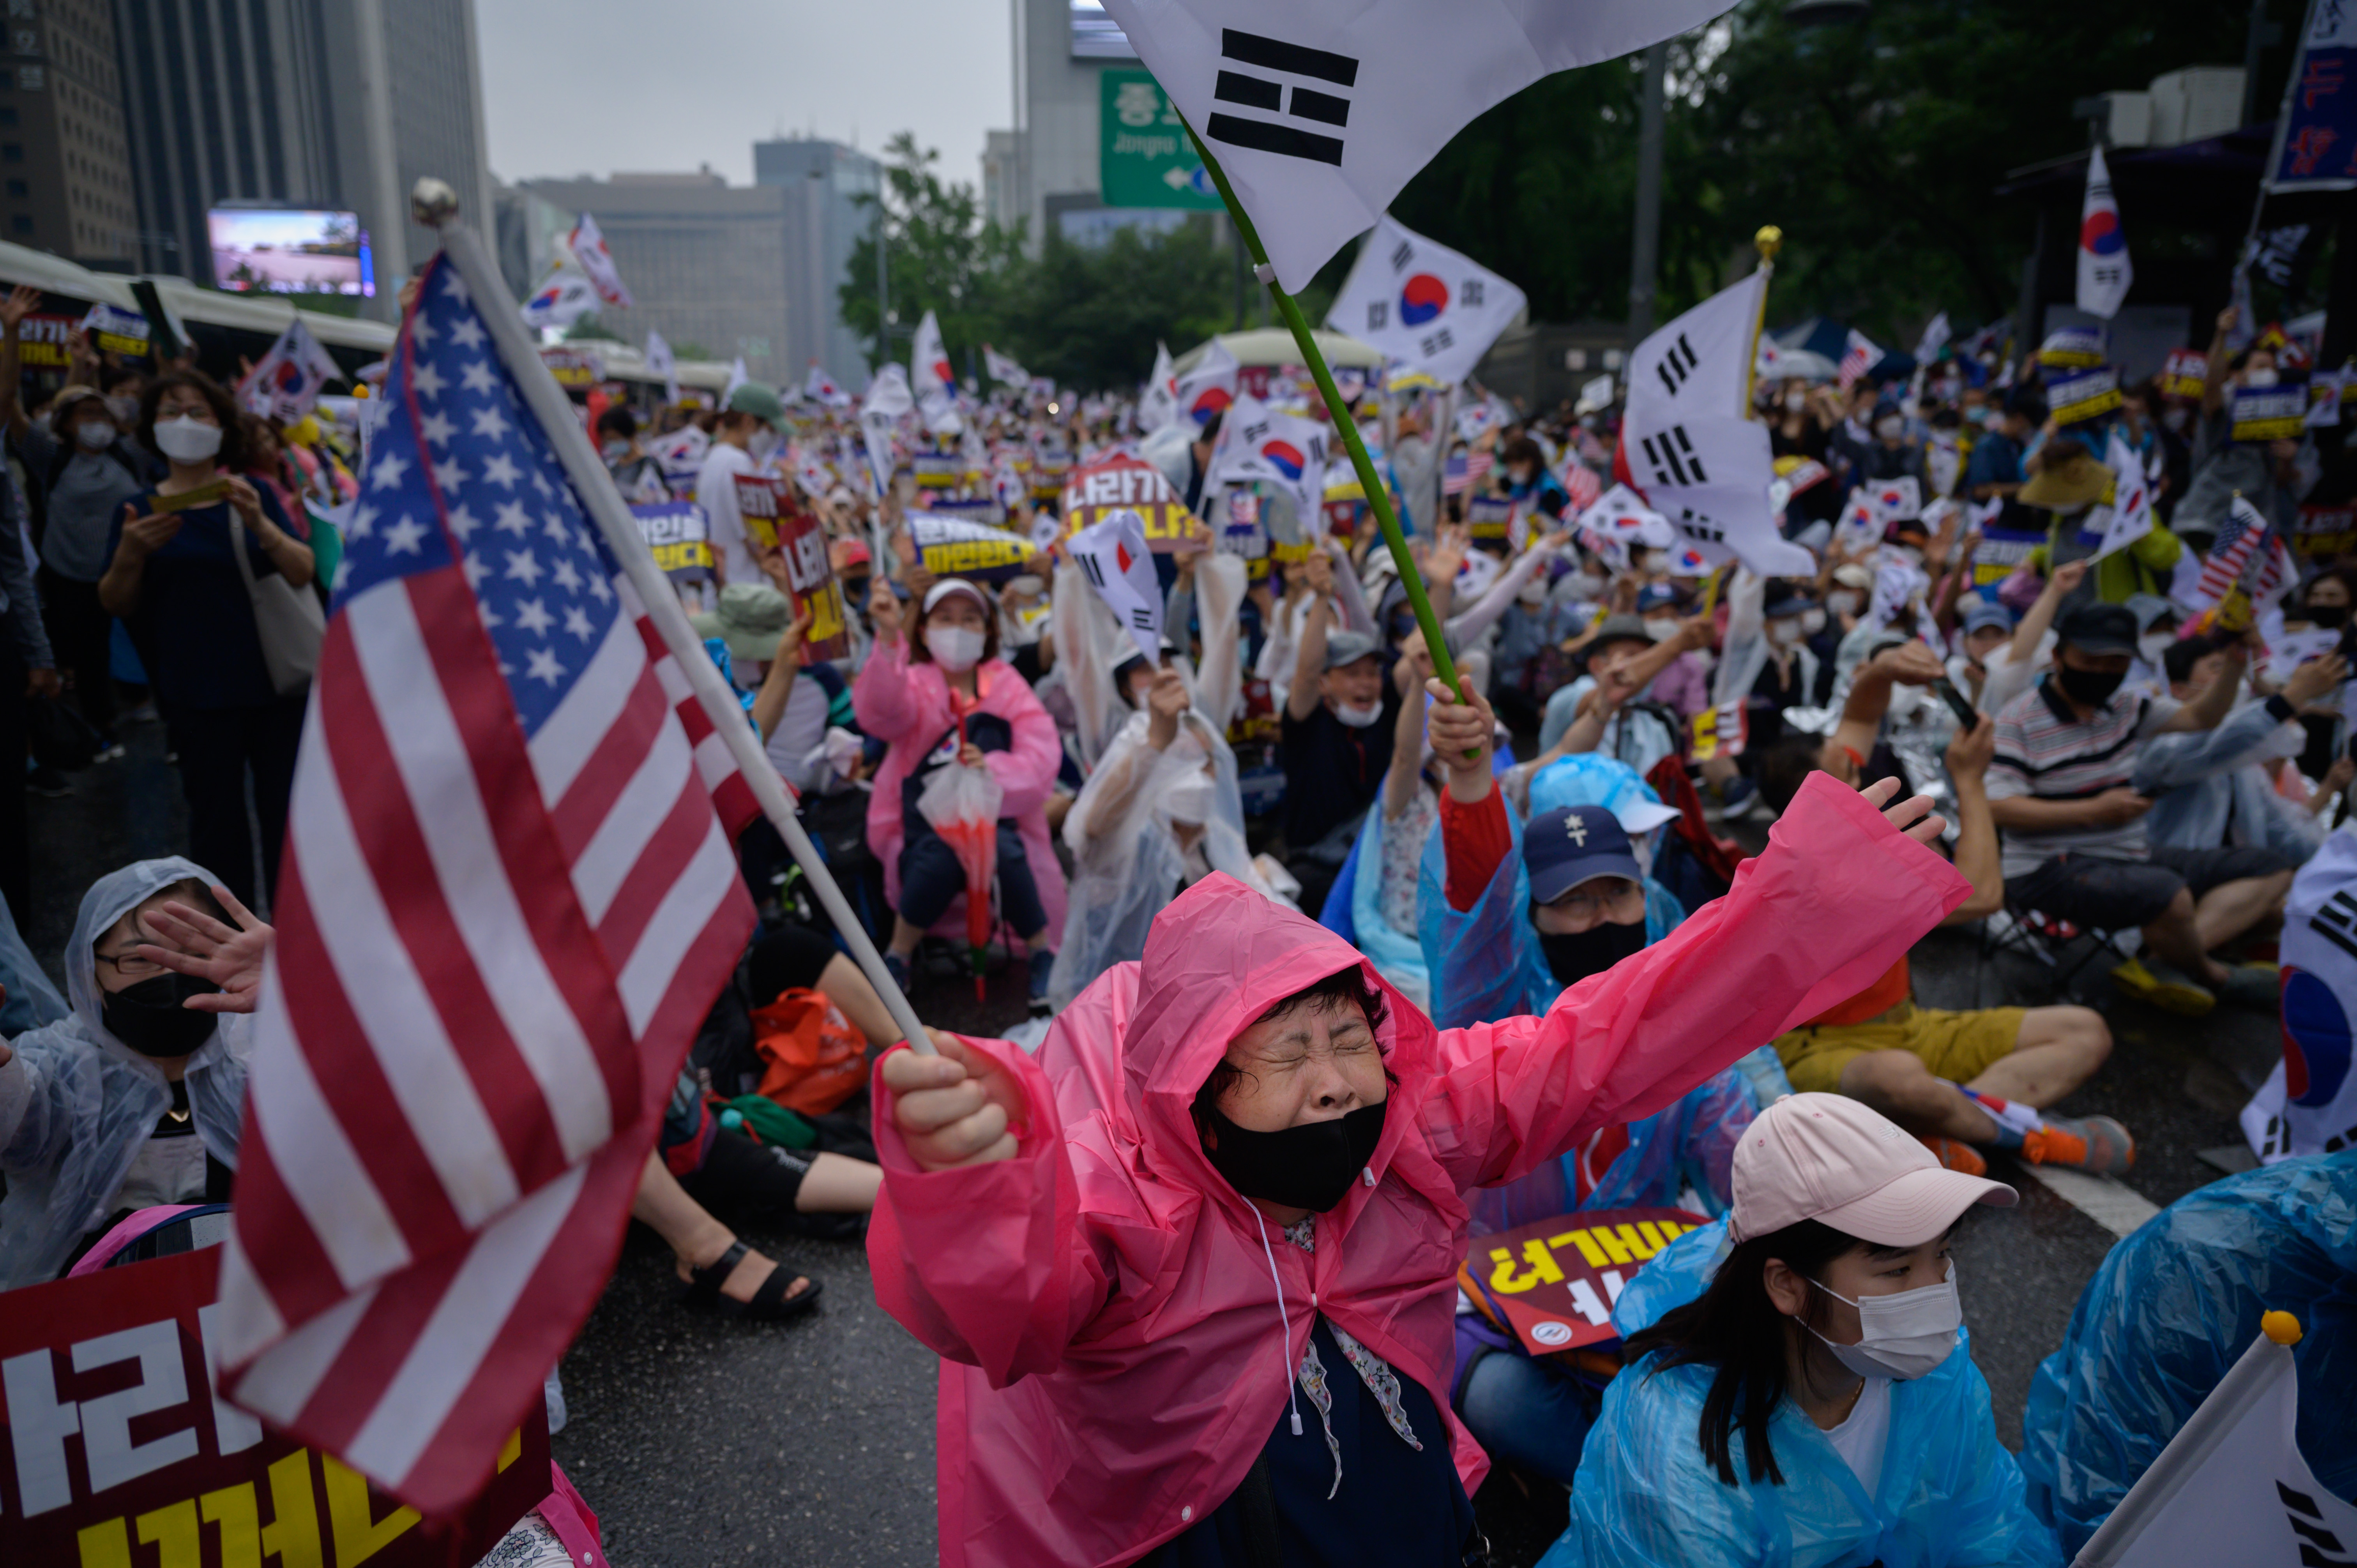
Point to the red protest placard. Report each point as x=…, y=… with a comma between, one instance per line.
x=1553, y=1283
x=117, y=1451
x=763, y=500
x=1111, y=483
x=816, y=589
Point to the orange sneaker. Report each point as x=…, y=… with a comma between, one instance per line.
x=1956, y=1156
x=2096, y=1143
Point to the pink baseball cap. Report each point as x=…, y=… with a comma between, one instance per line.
x=1829, y=1158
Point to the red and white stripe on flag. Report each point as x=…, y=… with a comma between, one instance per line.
x=1580, y=483
x=509, y=896
x=2238, y=539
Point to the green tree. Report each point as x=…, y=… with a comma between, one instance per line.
x=940, y=256
x=589, y=330
x=1090, y=316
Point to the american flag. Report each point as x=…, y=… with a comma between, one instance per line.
x=1465, y=473
x=1581, y=485
x=2238, y=539
x=1858, y=358
x=508, y=896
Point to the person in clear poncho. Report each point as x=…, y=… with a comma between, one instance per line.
x=1161, y=809
x=135, y=1098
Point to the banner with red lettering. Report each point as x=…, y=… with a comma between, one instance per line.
x=117, y=1451
x=1117, y=483
x=1552, y=1283
x=804, y=542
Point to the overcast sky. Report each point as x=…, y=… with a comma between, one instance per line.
x=574, y=86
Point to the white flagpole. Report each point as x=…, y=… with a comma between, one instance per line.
x=436, y=206
x=2195, y=1442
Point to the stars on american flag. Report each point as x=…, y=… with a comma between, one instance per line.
x=460, y=474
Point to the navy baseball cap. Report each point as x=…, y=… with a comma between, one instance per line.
x=1980, y=614
x=1654, y=595
x=1571, y=845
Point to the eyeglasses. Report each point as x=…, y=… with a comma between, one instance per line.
x=130, y=965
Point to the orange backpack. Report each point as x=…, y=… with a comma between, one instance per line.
x=817, y=1060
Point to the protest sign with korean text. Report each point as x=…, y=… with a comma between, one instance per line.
x=802, y=542
x=678, y=538
x=1552, y=1283
x=1121, y=483
x=120, y=1451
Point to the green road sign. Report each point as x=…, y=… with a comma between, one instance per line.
x=1143, y=149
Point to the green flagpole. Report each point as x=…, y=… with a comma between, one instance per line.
x=1378, y=498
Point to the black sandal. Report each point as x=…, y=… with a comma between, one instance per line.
x=771, y=1303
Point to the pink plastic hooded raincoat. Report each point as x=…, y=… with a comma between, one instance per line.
x=1114, y=1354
x=906, y=704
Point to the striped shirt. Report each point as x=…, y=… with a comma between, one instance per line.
x=2045, y=752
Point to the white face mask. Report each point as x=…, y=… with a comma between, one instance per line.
x=1797, y=402
x=1902, y=1335
x=614, y=451
x=956, y=648
x=1357, y=717
x=1842, y=603
x=1784, y=633
x=94, y=434
x=1890, y=429
x=1662, y=630
x=187, y=440
x=762, y=442
x=124, y=409
x=2174, y=418
x=2259, y=376
x=2152, y=648
x=1813, y=622
x=1189, y=798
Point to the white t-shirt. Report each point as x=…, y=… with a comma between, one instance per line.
x=1861, y=1439
x=165, y=1170
x=716, y=492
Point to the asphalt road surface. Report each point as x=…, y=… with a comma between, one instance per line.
x=700, y=1442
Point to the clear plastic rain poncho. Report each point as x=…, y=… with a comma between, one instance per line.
x=91, y=1101
x=1484, y=962
x=1646, y=1498
x=1123, y=830
x=32, y=1001
x=2177, y=1304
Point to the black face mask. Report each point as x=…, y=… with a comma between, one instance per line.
x=1310, y=1166
x=2330, y=617
x=2090, y=688
x=1573, y=958
x=854, y=592
x=148, y=1016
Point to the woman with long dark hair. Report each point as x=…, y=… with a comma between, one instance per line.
x=1815, y=1405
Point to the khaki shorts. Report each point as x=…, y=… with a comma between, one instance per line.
x=1958, y=1046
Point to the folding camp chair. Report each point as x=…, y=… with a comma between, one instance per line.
x=2031, y=933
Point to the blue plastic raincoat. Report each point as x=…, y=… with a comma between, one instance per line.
x=1950, y=1496
x=81, y=1102
x=2177, y=1304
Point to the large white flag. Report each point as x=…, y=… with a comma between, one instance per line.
x=564, y=297
x=588, y=248
x=1259, y=444
x=2104, y=270
x=930, y=378
x=1701, y=363
x=2309, y=1103
x=1158, y=406
x=1936, y=333
x=1423, y=304
x=661, y=362
x=1113, y=556
x=889, y=401
x=1210, y=386
x=2128, y=516
x=290, y=377
x=2231, y=1485
x=1000, y=368
x=1320, y=113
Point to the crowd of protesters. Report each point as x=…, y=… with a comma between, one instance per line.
x=1258, y=884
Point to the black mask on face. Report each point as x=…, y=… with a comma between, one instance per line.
x=2091, y=688
x=148, y=1016
x=2330, y=617
x=1573, y=958
x=1310, y=1166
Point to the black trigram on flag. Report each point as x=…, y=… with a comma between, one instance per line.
x=2319, y=1546
x=1292, y=100
x=1677, y=365
x=1673, y=457
x=1698, y=528
x=1089, y=564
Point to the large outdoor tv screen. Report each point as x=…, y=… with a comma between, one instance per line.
x=281, y=251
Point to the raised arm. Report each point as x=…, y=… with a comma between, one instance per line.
x=2217, y=698
x=13, y=311
x=1309, y=659
x=1841, y=893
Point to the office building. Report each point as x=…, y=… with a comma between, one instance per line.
x=64, y=170
x=707, y=263
x=1045, y=170
x=340, y=104
x=827, y=190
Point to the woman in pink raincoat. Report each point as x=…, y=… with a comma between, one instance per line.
x=911, y=694
x=1192, y=1269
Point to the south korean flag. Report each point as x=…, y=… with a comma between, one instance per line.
x=2309, y=1103
x=1321, y=113
x=1258, y=445
x=1112, y=556
x=1700, y=363
x=1423, y=304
